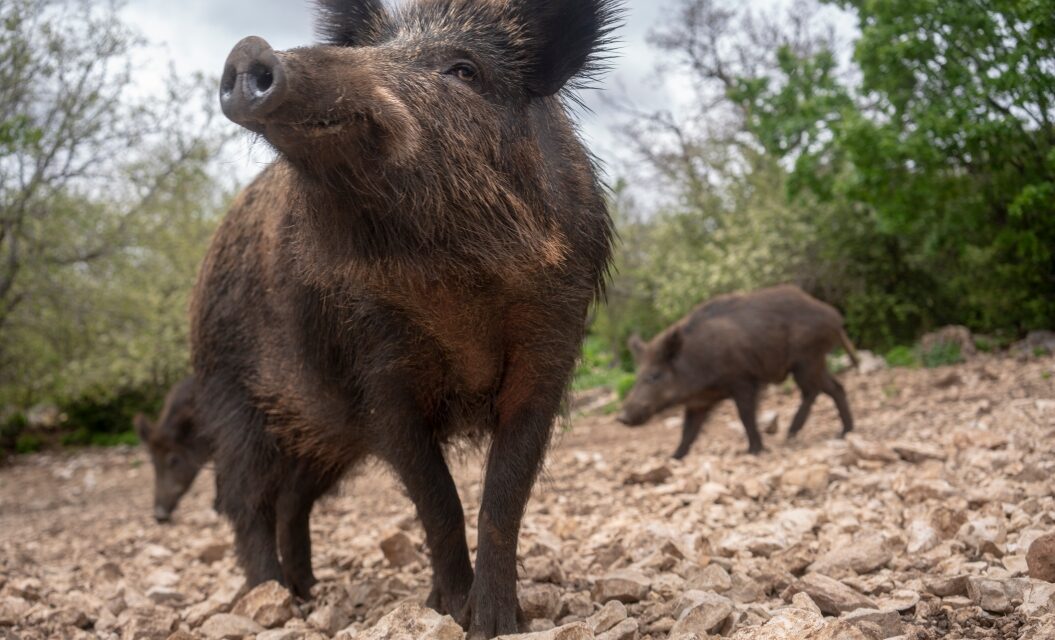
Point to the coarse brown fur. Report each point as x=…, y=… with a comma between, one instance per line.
x=416, y=266
x=178, y=447
x=732, y=346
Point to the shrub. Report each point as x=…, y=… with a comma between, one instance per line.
x=902, y=357
x=942, y=354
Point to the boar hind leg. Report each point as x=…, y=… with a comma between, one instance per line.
x=802, y=414
x=694, y=419
x=810, y=382
x=254, y=535
x=294, y=536
x=746, y=399
x=833, y=388
x=418, y=461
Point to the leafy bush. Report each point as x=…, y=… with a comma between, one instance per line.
x=598, y=367
x=942, y=354
x=104, y=419
x=11, y=429
x=28, y=443
x=902, y=357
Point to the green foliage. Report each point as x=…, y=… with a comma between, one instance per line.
x=941, y=354
x=953, y=154
x=11, y=429
x=597, y=367
x=902, y=357
x=100, y=244
x=913, y=190
x=107, y=412
x=28, y=443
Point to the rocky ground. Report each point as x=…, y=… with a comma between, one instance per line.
x=917, y=527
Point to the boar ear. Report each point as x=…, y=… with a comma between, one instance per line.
x=567, y=38
x=142, y=426
x=636, y=346
x=348, y=23
x=671, y=346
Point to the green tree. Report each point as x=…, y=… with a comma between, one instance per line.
x=947, y=139
x=106, y=202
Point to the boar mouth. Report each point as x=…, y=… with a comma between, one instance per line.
x=322, y=127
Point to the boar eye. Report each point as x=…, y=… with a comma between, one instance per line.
x=653, y=377
x=172, y=460
x=463, y=70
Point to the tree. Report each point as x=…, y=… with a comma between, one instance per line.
x=102, y=193
x=948, y=136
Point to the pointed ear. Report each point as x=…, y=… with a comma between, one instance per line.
x=143, y=426
x=636, y=346
x=566, y=38
x=671, y=346
x=349, y=23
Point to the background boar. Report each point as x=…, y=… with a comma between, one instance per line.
x=416, y=266
x=730, y=347
x=178, y=448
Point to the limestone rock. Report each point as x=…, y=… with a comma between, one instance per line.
x=625, y=585
x=887, y=621
x=1041, y=558
x=833, y=597
x=706, y=613
x=985, y=535
x=399, y=550
x=577, y=631
x=995, y=596
x=409, y=622
x=864, y=555
x=651, y=474
x=811, y=479
x=226, y=626
x=539, y=601
x=611, y=614
x=269, y=605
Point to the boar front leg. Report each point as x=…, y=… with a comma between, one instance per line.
x=694, y=419
x=527, y=406
x=746, y=398
x=417, y=459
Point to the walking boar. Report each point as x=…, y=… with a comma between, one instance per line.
x=178, y=448
x=415, y=268
x=730, y=347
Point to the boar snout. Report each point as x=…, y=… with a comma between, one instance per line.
x=253, y=83
x=631, y=418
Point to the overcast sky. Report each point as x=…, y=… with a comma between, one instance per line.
x=198, y=34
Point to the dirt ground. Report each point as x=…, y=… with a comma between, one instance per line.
x=923, y=519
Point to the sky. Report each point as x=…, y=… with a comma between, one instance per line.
x=197, y=35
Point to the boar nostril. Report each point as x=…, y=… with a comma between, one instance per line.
x=253, y=82
x=261, y=79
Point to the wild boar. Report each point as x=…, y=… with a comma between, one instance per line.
x=730, y=347
x=178, y=448
x=415, y=268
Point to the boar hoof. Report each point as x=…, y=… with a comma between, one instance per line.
x=485, y=616
x=446, y=602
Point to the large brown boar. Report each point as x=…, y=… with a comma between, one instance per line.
x=178, y=448
x=414, y=268
x=731, y=347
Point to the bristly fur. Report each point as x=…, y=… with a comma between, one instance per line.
x=573, y=45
